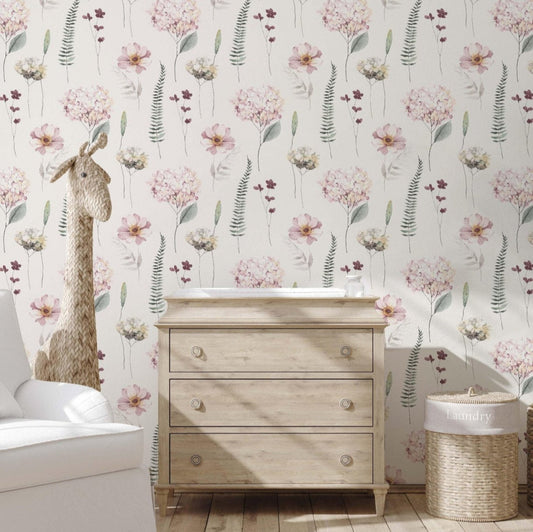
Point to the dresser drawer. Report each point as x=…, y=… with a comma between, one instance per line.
x=271, y=402
x=313, y=459
x=311, y=350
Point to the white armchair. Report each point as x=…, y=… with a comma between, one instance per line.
x=64, y=465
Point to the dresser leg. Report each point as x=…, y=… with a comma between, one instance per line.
x=379, y=496
x=163, y=496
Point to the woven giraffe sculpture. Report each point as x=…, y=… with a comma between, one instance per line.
x=70, y=354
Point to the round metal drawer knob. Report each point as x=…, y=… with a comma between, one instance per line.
x=196, y=403
x=196, y=459
x=346, y=350
x=196, y=351
x=345, y=403
x=346, y=460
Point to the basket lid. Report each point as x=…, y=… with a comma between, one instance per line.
x=487, y=413
x=473, y=397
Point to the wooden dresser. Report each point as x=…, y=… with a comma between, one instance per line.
x=271, y=393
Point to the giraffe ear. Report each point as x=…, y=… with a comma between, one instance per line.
x=83, y=149
x=100, y=143
x=63, y=168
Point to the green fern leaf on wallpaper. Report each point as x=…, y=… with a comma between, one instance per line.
x=327, y=127
x=62, y=224
x=66, y=50
x=156, y=303
x=498, y=300
x=408, y=223
x=156, y=131
x=237, y=225
x=408, y=395
x=329, y=264
x=237, y=55
x=408, y=53
x=498, y=131
x=154, y=457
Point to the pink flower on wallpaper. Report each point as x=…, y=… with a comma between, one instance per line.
x=177, y=17
x=263, y=272
x=347, y=187
x=134, y=400
x=13, y=18
x=176, y=187
x=432, y=278
x=516, y=358
x=153, y=355
x=305, y=229
x=388, y=138
x=217, y=139
x=348, y=17
x=431, y=105
x=390, y=307
x=45, y=310
x=46, y=139
x=259, y=105
x=514, y=187
x=88, y=105
x=179, y=188
x=476, y=57
x=415, y=446
x=350, y=188
x=134, y=58
x=13, y=188
x=514, y=16
x=134, y=229
x=102, y=274
x=476, y=229
x=305, y=58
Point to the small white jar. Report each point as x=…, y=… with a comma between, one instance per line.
x=353, y=286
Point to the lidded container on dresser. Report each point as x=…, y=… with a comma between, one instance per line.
x=472, y=455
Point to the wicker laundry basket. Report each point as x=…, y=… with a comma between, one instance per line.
x=472, y=456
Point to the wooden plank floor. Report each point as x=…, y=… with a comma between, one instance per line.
x=301, y=512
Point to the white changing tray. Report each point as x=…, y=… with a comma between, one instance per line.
x=257, y=292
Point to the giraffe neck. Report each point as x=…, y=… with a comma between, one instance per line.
x=78, y=295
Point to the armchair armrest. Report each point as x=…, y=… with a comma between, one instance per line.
x=60, y=401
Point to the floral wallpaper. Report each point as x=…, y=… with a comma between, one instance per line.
x=275, y=143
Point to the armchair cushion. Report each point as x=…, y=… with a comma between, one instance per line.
x=8, y=406
x=62, y=401
x=35, y=452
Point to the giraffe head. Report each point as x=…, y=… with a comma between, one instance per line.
x=88, y=181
